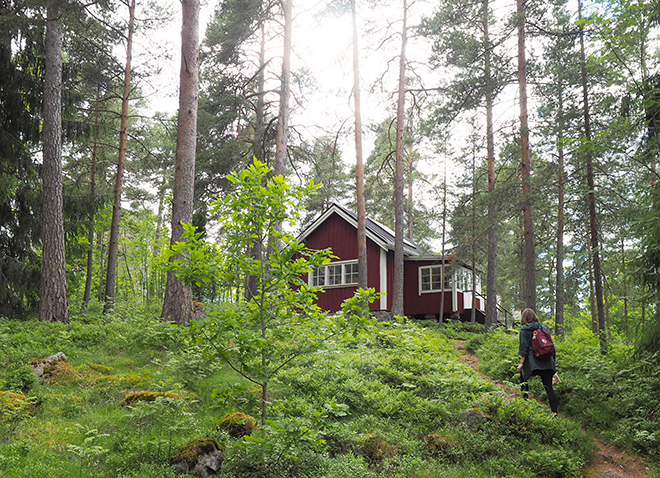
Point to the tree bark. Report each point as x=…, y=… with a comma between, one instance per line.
x=359, y=166
x=251, y=282
x=559, y=290
x=625, y=286
x=283, y=116
x=54, y=306
x=591, y=197
x=92, y=198
x=443, y=267
x=473, y=239
x=397, y=293
x=177, y=305
x=529, y=275
x=491, y=273
x=260, y=121
x=113, y=245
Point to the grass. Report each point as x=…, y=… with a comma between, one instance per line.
x=392, y=404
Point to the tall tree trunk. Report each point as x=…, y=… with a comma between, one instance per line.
x=260, y=117
x=443, y=268
x=591, y=195
x=625, y=287
x=491, y=273
x=359, y=166
x=177, y=305
x=54, y=306
x=408, y=204
x=100, y=236
x=397, y=293
x=559, y=290
x=592, y=298
x=251, y=282
x=113, y=246
x=156, y=282
x=92, y=199
x=283, y=116
x=473, y=239
x=529, y=276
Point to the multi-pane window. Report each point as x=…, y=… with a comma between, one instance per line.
x=318, y=277
x=351, y=272
x=430, y=278
x=335, y=274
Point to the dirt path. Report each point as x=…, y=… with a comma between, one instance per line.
x=609, y=461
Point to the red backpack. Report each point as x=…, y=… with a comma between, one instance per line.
x=542, y=346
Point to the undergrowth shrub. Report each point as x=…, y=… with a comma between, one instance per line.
x=17, y=377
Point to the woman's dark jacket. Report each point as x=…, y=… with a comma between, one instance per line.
x=532, y=364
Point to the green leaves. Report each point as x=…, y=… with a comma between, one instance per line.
x=278, y=321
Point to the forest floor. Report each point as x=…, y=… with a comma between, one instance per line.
x=609, y=461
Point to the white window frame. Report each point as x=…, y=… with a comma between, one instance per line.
x=443, y=280
x=334, y=275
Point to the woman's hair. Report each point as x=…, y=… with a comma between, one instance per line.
x=528, y=315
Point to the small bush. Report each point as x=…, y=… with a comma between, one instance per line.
x=14, y=405
x=19, y=378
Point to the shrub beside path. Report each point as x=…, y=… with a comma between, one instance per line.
x=609, y=461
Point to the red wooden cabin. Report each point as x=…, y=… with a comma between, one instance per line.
x=336, y=228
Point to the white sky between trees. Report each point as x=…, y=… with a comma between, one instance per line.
x=323, y=45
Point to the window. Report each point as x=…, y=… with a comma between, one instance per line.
x=464, y=280
x=351, y=273
x=318, y=277
x=336, y=274
x=430, y=279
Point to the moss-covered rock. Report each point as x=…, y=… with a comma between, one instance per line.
x=55, y=369
x=375, y=449
x=201, y=456
x=238, y=424
x=131, y=399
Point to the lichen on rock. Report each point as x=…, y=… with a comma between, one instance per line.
x=55, y=369
x=201, y=457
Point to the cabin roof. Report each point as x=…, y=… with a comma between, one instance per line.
x=378, y=233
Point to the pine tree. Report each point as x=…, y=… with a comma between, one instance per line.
x=177, y=305
x=54, y=304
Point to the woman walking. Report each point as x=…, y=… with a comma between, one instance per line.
x=530, y=365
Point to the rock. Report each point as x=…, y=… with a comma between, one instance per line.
x=201, y=457
x=472, y=418
x=43, y=368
